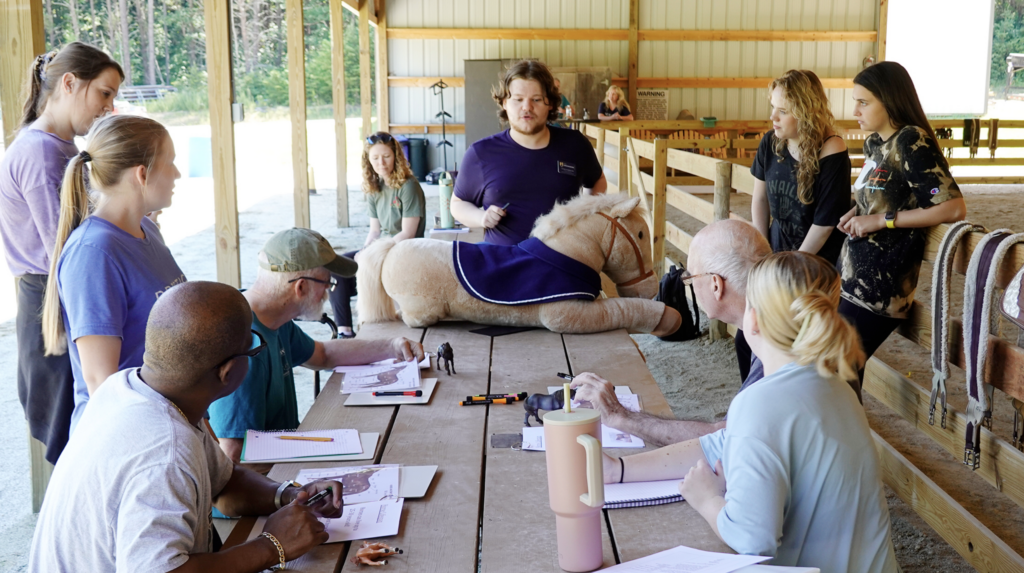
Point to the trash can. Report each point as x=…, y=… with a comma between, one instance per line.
x=418, y=158
x=404, y=142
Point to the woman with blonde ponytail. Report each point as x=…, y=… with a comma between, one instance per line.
x=795, y=472
x=801, y=171
x=109, y=259
x=67, y=90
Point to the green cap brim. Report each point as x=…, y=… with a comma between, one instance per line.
x=343, y=266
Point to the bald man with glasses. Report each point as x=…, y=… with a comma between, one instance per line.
x=292, y=282
x=134, y=489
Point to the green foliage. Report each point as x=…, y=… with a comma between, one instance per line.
x=259, y=48
x=1007, y=38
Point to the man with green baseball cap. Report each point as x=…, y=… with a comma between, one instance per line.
x=292, y=281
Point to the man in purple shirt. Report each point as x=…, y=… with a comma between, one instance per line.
x=511, y=178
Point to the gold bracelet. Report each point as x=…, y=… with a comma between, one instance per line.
x=280, y=551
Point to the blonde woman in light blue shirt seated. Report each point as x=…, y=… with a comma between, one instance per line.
x=794, y=474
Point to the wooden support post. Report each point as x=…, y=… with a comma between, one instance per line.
x=222, y=132
x=340, y=105
x=658, y=206
x=723, y=187
x=297, y=110
x=21, y=40
x=624, y=170
x=883, y=24
x=364, y=66
x=634, y=24
x=383, y=113
x=600, y=145
x=971, y=539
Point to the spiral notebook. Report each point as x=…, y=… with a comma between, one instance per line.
x=641, y=493
x=270, y=447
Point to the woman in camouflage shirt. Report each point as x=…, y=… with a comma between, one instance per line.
x=904, y=187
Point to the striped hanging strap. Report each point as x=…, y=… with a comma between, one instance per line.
x=940, y=313
x=982, y=273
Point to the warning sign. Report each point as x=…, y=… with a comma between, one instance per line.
x=651, y=104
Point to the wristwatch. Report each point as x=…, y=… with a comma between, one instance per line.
x=280, y=491
x=890, y=219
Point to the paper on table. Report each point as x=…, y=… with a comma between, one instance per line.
x=380, y=377
x=424, y=364
x=368, y=399
x=462, y=230
x=361, y=484
x=361, y=521
x=268, y=446
x=367, y=440
x=689, y=560
x=533, y=439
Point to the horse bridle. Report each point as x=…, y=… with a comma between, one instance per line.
x=617, y=226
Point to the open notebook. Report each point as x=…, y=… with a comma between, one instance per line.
x=641, y=493
x=281, y=446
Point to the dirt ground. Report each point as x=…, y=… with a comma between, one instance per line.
x=700, y=377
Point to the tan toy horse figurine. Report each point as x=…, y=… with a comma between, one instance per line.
x=546, y=281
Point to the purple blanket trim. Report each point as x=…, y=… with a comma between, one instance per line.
x=527, y=273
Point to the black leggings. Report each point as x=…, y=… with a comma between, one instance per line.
x=341, y=297
x=872, y=328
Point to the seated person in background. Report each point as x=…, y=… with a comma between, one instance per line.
x=564, y=105
x=511, y=178
x=797, y=476
x=396, y=206
x=134, y=488
x=721, y=254
x=614, y=107
x=292, y=282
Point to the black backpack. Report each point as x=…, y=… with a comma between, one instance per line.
x=672, y=292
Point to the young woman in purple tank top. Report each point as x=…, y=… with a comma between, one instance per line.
x=69, y=89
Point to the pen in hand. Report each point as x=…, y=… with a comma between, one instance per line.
x=318, y=496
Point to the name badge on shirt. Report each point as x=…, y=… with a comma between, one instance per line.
x=567, y=168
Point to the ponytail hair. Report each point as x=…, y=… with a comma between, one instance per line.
x=114, y=144
x=84, y=61
x=796, y=296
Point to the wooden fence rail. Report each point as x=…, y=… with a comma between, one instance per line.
x=1002, y=465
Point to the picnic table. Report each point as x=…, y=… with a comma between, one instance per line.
x=487, y=503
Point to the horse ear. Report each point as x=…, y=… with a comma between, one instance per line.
x=624, y=208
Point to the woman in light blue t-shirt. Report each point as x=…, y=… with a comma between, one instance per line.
x=111, y=263
x=794, y=475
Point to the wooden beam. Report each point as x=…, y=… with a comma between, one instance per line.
x=742, y=180
x=340, y=105
x=21, y=40
x=423, y=82
x=690, y=204
x=365, y=87
x=222, y=144
x=883, y=26
x=658, y=206
x=989, y=180
x=985, y=161
x=425, y=128
x=827, y=83
x=677, y=237
x=694, y=163
x=297, y=110
x=506, y=34
x=756, y=36
x=971, y=539
x=634, y=25
x=1001, y=463
x=353, y=6
x=383, y=108
x=723, y=189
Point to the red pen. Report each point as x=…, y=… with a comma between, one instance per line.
x=409, y=393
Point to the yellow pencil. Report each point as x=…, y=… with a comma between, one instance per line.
x=306, y=438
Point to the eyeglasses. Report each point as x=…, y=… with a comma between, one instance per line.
x=379, y=137
x=251, y=353
x=331, y=284
x=688, y=279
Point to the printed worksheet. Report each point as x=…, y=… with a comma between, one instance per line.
x=688, y=560
x=395, y=376
x=533, y=439
x=362, y=521
x=362, y=484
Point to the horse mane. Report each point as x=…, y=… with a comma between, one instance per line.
x=565, y=215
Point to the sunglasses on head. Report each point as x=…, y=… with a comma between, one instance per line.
x=379, y=137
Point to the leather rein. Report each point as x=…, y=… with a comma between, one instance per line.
x=617, y=226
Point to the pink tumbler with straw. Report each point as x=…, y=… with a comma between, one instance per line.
x=572, y=440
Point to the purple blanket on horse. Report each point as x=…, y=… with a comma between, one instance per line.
x=527, y=273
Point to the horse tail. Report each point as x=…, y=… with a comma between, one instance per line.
x=374, y=304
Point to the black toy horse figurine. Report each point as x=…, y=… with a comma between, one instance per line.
x=444, y=352
x=546, y=402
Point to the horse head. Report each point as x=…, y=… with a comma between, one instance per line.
x=621, y=238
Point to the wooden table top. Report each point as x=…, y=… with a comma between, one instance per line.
x=486, y=503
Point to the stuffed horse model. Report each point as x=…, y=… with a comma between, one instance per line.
x=430, y=279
